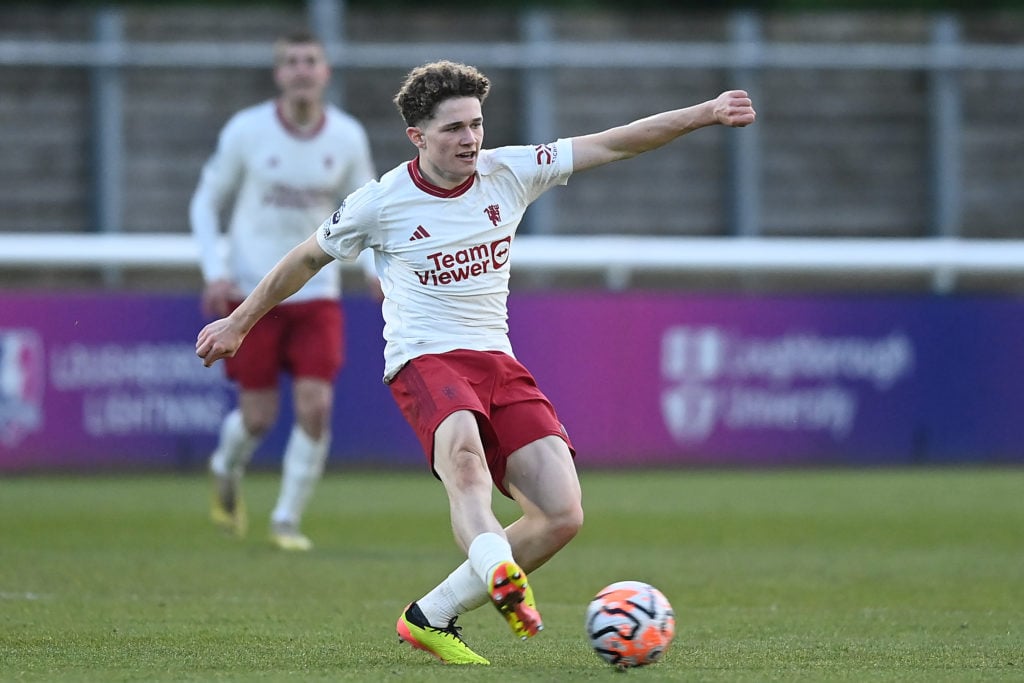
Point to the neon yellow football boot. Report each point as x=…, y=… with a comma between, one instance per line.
x=227, y=508
x=512, y=595
x=444, y=643
x=287, y=536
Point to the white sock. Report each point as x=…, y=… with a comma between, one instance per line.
x=235, y=448
x=461, y=592
x=486, y=552
x=302, y=468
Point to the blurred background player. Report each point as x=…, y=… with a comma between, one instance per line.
x=285, y=164
x=441, y=227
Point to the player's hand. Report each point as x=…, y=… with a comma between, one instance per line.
x=734, y=108
x=218, y=295
x=218, y=340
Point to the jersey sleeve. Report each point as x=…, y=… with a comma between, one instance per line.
x=218, y=182
x=537, y=168
x=350, y=229
x=559, y=164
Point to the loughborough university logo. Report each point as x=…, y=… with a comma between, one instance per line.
x=692, y=360
x=21, y=384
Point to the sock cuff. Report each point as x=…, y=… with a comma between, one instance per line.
x=486, y=552
x=303, y=456
x=235, y=447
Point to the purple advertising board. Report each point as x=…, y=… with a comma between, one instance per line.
x=111, y=380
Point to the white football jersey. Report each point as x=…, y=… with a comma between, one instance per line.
x=443, y=256
x=283, y=183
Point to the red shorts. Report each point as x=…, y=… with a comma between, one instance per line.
x=303, y=339
x=510, y=409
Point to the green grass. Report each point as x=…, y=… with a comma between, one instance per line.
x=845, y=575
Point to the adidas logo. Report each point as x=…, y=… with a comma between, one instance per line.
x=419, y=234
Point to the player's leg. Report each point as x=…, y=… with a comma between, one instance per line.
x=533, y=465
x=240, y=434
x=542, y=479
x=446, y=412
x=458, y=448
x=312, y=347
x=303, y=462
x=460, y=464
x=254, y=369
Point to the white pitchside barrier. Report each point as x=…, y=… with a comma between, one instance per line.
x=618, y=257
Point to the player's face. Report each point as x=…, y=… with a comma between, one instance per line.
x=302, y=72
x=450, y=142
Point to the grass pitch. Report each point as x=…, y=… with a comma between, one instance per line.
x=838, y=575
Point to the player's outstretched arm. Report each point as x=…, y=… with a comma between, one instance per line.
x=221, y=338
x=731, y=108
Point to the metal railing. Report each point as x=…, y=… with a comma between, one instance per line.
x=617, y=259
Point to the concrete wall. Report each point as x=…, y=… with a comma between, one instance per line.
x=842, y=152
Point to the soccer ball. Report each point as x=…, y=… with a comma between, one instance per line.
x=630, y=623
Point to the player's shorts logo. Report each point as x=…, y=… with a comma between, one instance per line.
x=21, y=384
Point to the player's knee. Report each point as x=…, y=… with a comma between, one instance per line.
x=315, y=423
x=258, y=423
x=464, y=470
x=313, y=406
x=564, y=526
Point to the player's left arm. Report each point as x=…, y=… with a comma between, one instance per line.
x=221, y=338
x=731, y=108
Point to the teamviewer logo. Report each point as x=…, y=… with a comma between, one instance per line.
x=21, y=384
x=500, y=251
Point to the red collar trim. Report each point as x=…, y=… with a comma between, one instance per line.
x=422, y=183
x=296, y=132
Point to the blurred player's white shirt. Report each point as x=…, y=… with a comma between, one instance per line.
x=283, y=183
x=443, y=255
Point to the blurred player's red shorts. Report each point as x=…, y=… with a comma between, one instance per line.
x=303, y=339
x=510, y=409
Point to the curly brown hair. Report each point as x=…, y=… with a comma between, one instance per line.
x=429, y=85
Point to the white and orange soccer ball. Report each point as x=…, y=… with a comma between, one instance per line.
x=630, y=623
